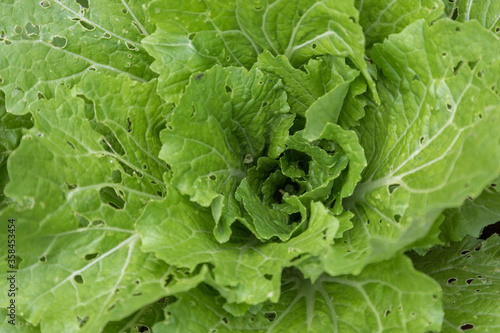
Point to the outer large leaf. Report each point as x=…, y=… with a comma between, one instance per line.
x=448, y=7
x=130, y=116
x=381, y=18
x=244, y=270
x=472, y=216
x=485, y=12
x=143, y=319
x=221, y=125
x=75, y=200
x=47, y=43
x=194, y=35
x=432, y=143
x=21, y=326
x=387, y=297
x=11, y=131
x=469, y=275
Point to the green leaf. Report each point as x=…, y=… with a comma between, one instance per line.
x=306, y=172
x=278, y=133
x=256, y=185
x=304, y=88
x=21, y=325
x=130, y=116
x=201, y=311
x=4, y=179
x=322, y=85
x=193, y=36
x=449, y=7
x=322, y=166
x=411, y=302
x=436, y=124
x=324, y=111
x=353, y=108
x=349, y=144
x=468, y=272
x=47, y=43
x=267, y=222
x=76, y=243
x=143, y=318
x=472, y=216
x=11, y=131
x=380, y=19
x=220, y=126
x=244, y=269
x=348, y=153
x=487, y=13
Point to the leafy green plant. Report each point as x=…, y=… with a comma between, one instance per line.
x=266, y=166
